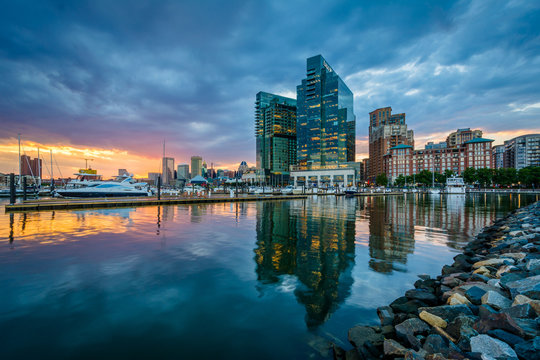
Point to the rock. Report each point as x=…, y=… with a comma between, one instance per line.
x=515, y=256
x=435, y=344
x=339, y=353
x=515, y=233
x=492, y=262
x=482, y=270
x=474, y=294
x=410, y=307
x=486, y=310
x=522, y=299
x=505, y=336
x=447, y=312
x=386, y=315
x=488, y=346
x=494, y=283
x=422, y=295
x=496, y=300
x=533, y=264
x=359, y=334
x=408, y=330
x=528, y=326
x=424, y=276
x=392, y=347
x=457, y=299
x=433, y=320
x=529, y=350
x=529, y=287
x=479, y=277
x=521, y=311
x=353, y=355
x=498, y=321
x=506, y=269
x=462, y=329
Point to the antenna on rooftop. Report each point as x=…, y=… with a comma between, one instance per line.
x=86, y=163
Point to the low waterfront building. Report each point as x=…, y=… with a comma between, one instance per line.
x=404, y=160
x=522, y=151
x=342, y=175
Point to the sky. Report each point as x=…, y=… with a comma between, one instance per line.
x=111, y=80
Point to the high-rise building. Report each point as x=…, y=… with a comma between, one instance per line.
x=497, y=154
x=440, y=145
x=167, y=171
x=31, y=167
x=325, y=124
x=182, y=171
x=386, y=130
x=461, y=136
x=522, y=151
x=196, y=166
x=275, y=133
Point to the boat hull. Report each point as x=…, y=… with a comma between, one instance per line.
x=96, y=194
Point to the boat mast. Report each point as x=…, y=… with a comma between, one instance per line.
x=39, y=169
x=20, y=172
x=52, y=177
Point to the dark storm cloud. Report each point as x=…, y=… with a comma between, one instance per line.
x=130, y=73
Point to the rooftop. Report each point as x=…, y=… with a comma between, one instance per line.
x=478, y=140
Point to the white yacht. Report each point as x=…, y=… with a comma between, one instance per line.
x=455, y=185
x=124, y=186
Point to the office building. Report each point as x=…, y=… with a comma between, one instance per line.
x=386, y=130
x=31, y=167
x=522, y=151
x=196, y=166
x=275, y=133
x=325, y=124
x=182, y=171
x=461, y=136
x=167, y=171
x=497, y=155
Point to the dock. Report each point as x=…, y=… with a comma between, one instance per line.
x=97, y=203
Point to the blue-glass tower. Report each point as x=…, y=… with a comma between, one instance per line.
x=325, y=124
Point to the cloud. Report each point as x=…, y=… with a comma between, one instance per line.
x=127, y=74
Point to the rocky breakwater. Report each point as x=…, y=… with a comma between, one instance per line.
x=486, y=305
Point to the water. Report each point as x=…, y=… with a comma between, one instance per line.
x=269, y=280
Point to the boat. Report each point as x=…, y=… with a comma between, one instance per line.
x=287, y=190
x=96, y=188
x=433, y=189
x=455, y=185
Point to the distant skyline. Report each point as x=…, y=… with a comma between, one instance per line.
x=111, y=80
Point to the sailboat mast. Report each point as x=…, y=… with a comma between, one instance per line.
x=52, y=177
x=20, y=172
x=39, y=168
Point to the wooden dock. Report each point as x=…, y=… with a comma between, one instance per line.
x=80, y=204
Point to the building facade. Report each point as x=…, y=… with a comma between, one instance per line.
x=182, y=171
x=403, y=160
x=196, y=166
x=167, y=172
x=522, y=151
x=497, y=156
x=386, y=130
x=275, y=133
x=461, y=136
x=325, y=124
x=31, y=167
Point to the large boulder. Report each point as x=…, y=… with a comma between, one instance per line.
x=408, y=330
x=529, y=350
x=447, y=312
x=498, y=321
x=422, y=295
x=492, y=348
x=493, y=262
x=529, y=287
x=386, y=315
x=359, y=334
x=496, y=300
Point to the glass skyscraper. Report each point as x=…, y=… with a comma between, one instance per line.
x=275, y=133
x=326, y=124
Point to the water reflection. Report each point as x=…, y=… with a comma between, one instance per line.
x=315, y=244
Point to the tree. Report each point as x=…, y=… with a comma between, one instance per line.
x=469, y=175
x=484, y=176
x=424, y=177
x=381, y=180
x=400, y=180
x=448, y=173
x=529, y=176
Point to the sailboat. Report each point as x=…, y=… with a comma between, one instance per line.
x=433, y=189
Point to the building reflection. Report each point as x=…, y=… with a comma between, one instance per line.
x=313, y=243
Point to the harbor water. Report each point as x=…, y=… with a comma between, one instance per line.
x=266, y=280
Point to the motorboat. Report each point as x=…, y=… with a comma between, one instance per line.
x=287, y=190
x=123, y=188
x=455, y=185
